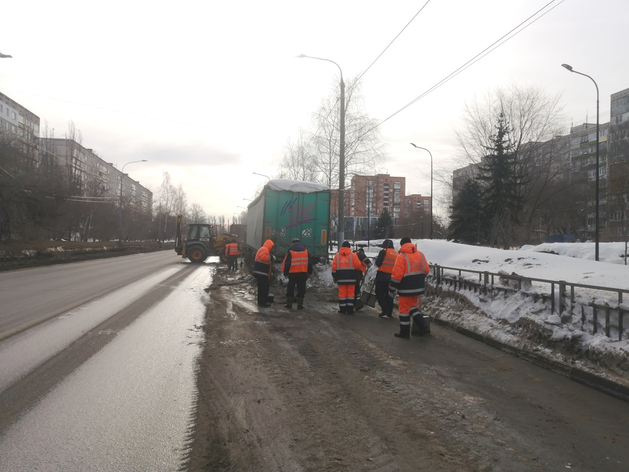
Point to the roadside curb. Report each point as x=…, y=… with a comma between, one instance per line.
x=38, y=258
x=575, y=374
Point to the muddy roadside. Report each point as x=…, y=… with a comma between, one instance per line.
x=313, y=390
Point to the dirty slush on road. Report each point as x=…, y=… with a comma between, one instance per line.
x=298, y=390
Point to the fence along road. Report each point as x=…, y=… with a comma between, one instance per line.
x=566, y=298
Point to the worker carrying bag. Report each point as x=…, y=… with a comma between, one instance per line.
x=368, y=298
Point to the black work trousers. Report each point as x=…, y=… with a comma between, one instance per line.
x=263, y=288
x=297, y=279
x=382, y=295
x=232, y=262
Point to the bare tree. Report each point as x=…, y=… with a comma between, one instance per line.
x=180, y=201
x=165, y=205
x=363, y=148
x=299, y=161
x=197, y=214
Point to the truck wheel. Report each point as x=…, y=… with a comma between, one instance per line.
x=197, y=255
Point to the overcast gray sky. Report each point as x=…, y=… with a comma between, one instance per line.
x=212, y=92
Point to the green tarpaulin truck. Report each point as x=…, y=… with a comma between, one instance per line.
x=288, y=209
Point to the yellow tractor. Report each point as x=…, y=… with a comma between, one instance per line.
x=197, y=241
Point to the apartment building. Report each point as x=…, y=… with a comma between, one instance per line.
x=91, y=176
x=372, y=194
x=617, y=197
x=416, y=203
x=20, y=126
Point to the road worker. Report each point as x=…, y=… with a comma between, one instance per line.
x=360, y=275
x=408, y=279
x=344, y=268
x=232, y=251
x=297, y=267
x=385, y=262
x=262, y=272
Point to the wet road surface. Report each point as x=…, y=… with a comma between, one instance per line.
x=108, y=385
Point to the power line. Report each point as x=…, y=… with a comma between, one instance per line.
x=394, y=39
x=11, y=175
x=367, y=69
x=496, y=44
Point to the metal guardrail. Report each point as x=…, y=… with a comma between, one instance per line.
x=566, y=298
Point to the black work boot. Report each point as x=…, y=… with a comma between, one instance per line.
x=404, y=332
x=289, y=302
x=300, y=303
x=420, y=325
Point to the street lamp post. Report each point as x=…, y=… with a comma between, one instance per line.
x=431, y=197
x=341, y=225
x=120, y=201
x=262, y=175
x=597, y=178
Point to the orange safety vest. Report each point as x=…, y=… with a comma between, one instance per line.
x=298, y=262
x=231, y=249
x=389, y=261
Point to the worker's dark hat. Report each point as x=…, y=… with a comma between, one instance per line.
x=295, y=240
x=387, y=243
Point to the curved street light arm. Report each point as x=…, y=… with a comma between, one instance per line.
x=262, y=175
x=303, y=56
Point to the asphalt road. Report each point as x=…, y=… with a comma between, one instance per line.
x=122, y=376
x=107, y=381
x=30, y=296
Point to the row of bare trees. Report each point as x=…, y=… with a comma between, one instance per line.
x=34, y=197
x=43, y=199
x=171, y=201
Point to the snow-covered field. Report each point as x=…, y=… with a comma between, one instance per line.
x=510, y=318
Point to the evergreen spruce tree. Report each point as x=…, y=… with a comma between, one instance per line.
x=466, y=223
x=384, y=226
x=501, y=198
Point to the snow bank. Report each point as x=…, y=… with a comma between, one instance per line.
x=295, y=186
x=511, y=318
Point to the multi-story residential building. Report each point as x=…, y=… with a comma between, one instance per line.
x=462, y=175
x=416, y=203
x=91, y=176
x=581, y=155
x=372, y=194
x=366, y=200
x=617, y=204
x=21, y=125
